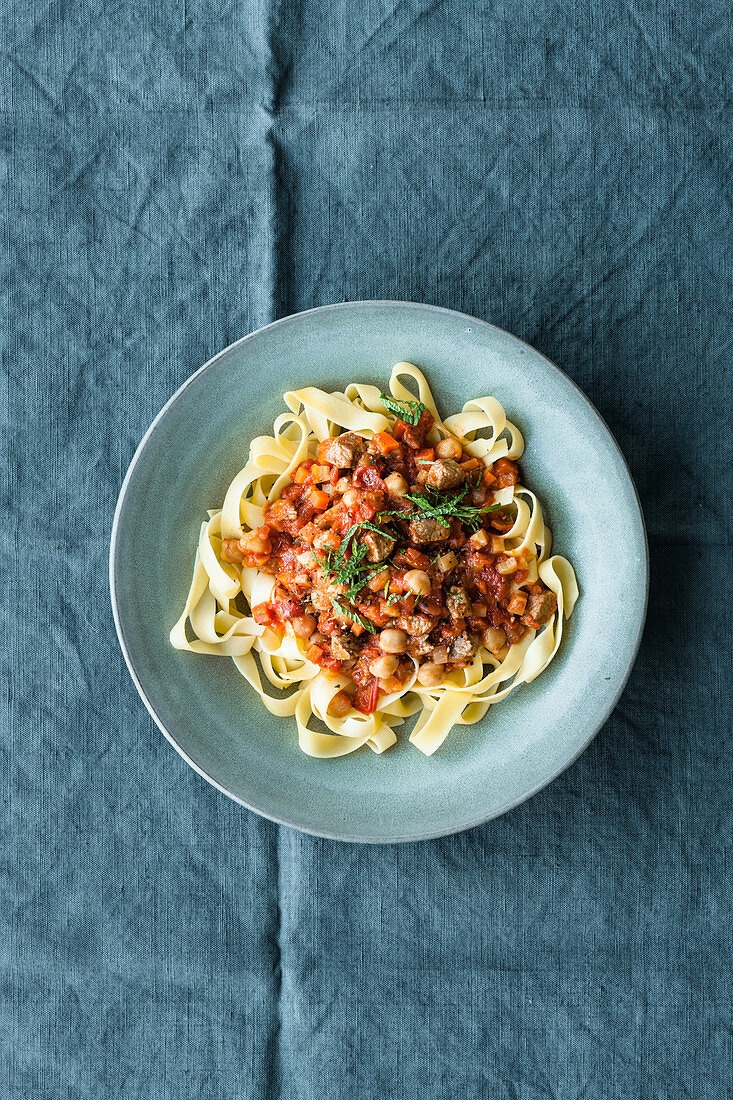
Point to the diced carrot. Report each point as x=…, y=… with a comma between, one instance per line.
x=262, y=614
x=385, y=442
x=373, y=612
x=488, y=478
x=332, y=540
x=497, y=544
x=471, y=464
x=416, y=558
x=427, y=454
x=319, y=499
x=314, y=653
x=302, y=476
x=308, y=533
x=320, y=474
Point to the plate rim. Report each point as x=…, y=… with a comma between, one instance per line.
x=300, y=826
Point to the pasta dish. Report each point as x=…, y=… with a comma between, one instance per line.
x=373, y=561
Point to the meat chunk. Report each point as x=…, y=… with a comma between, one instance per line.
x=345, y=647
x=461, y=648
x=427, y=529
x=343, y=451
x=378, y=546
x=514, y=632
x=458, y=603
x=541, y=606
x=419, y=647
x=445, y=474
x=415, y=625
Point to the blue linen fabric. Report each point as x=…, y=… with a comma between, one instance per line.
x=176, y=174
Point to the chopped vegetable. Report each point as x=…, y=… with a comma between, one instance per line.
x=433, y=504
x=385, y=442
x=349, y=613
x=409, y=411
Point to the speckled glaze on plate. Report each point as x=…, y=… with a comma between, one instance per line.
x=206, y=709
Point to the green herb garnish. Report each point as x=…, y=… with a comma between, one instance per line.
x=432, y=504
x=354, y=616
x=353, y=572
x=391, y=598
x=409, y=411
x=367, y=525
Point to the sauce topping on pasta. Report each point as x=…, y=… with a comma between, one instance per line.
x=397, y=564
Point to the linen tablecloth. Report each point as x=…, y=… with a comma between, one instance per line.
x=176, y=174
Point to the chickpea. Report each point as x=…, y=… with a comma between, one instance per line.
x=232, y=551
x=304, y=625
x=449, y=448
x=418, y=581
x=350, y=498
x=393, y=641
x=431, y=675
x=383, y=667
x=339, y=705
x=254, y=544
x=396, y=485
x=390, y=685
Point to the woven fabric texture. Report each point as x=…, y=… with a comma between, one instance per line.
x=177, y=174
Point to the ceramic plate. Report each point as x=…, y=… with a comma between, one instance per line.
x=207, y=710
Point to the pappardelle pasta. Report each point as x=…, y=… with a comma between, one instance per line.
x=380, y=562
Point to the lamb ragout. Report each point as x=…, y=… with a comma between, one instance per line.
x=369, y=577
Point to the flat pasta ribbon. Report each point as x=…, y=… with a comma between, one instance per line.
x=213, y=623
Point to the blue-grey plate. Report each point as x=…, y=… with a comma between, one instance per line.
x=207, y=710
